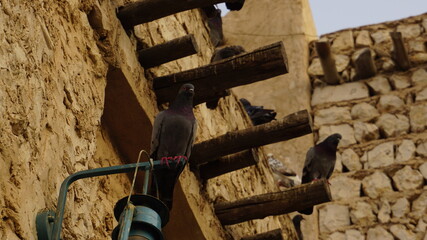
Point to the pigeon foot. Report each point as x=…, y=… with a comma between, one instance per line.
x=177, y=159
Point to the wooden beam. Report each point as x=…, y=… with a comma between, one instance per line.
x=168, y=51
x=365, y=66
x=275, y=234
x=400, y=55
x=271, y=204
x=228, y=164
x=328, y=63
x=144, y=11
x=258, y=65
x=292, y=126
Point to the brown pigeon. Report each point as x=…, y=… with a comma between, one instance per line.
x=320, y=162
x=172, y=139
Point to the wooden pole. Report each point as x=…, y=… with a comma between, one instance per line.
x=328, y=63
x=168, y=51
x=271, y=204
x=228, y=164
x=400, y=55
x=365, y=66
x=260, y=64
x=144, y=11
x=292, y=126
x=275, y=234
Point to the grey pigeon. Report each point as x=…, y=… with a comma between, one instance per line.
x=213, y=15
x=296, y=220
x=172, y=139
x=258, y=114
x=320, y=162
x=281, y=173
x=218, y=55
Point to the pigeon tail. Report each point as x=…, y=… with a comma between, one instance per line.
x=307, y=211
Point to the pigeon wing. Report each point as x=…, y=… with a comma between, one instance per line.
x=156, y=134
x=308, y=165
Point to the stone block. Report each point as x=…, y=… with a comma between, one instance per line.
x=421, y=95
x=418, y=117
x=393, y=125
x=343, y=187
x=363, y=39
x=384, y=212
x=416, y=46
x=344, y=92
x=390, y=103
x=381, y=36
x=419, y=77
x=378, y=233
x=386, y=63
x=341, y=62
x=408, y=179
x=422, y=149
x=382, y=155
x=351, y=160
x=405, y=151
x=423, y=170
x=409, y=30
x=333, y=217
x=315, y=68
x=344, y=42
x=419, y=206
x=379, y=85
x=364, y=111
x=362, y=214
x=400, y=81
x=400, y=208
x=331, y=115
x=338, y=164
x=421, y=226
x=365, y=132
x=418, y=58
x=376, y=184
x=424, y=23
x=345, y=130
x=401, y=232
x=336, y=236
x=353, y=234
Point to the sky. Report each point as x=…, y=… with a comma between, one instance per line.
x=333, y=15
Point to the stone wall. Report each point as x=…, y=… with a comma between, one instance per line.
x=379, y=184
x=56, y=58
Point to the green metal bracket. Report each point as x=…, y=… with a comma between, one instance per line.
x=49, y=223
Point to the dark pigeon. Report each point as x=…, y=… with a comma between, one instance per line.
x=258, y=114
x=235, y=6
x=214, y=20
x=172, y=139
x=296, y=220
x=218, y=55
x=320, y=162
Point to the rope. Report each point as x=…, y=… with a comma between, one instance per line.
x=136, y=171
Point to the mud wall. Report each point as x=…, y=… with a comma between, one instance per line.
x=56, y=63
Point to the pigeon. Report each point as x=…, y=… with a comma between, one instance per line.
x=218, y=55
x=281, y=173
x=172, y=139
x=235, y=6
x=258, y=114
x=226, y=52
x=296, y=220
x=213, y=15
x=320, y=162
